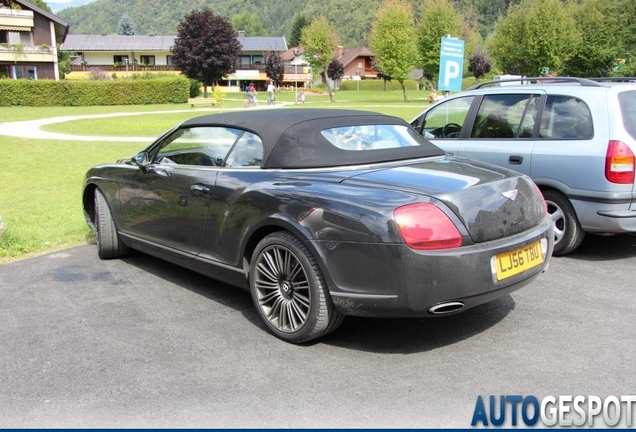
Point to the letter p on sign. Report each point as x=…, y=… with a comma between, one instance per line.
x=451, y=71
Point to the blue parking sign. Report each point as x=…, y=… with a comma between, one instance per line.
x=451, y=64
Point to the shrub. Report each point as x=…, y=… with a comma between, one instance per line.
x=219, y=94
x=195, y=87
x=377, y=85
x=97, y=74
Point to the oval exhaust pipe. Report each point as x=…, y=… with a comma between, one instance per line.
x=445, y=308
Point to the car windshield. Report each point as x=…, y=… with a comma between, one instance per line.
x=373, y=137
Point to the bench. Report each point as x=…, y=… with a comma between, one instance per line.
x=202, y=101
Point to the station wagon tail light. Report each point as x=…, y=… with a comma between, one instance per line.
x=619, y=163
x=424, y=226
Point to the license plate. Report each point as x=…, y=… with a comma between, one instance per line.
x=519, y=260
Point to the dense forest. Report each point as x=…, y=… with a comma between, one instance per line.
x=352, y=18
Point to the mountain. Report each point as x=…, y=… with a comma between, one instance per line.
x=352, y=18
x=57, y=6
x=160, y=17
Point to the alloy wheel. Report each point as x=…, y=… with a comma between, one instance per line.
x=282, y=288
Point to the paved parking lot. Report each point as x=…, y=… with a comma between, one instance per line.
x=142, y=343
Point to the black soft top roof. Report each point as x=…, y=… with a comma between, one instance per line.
x=292, y=137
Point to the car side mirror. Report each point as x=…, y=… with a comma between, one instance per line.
x=141, y=159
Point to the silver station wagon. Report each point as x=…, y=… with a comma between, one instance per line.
x=575, y=137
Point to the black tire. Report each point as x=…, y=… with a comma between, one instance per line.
x=289, y=290
x=109, y=244
x=568, y=233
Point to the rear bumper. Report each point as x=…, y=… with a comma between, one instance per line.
x=391, y=280
x=605, y=218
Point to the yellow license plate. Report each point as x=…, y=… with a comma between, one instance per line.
x=517, y=261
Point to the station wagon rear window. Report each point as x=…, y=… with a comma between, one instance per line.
x=627, y=102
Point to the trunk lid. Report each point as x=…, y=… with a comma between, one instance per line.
x=491, y=202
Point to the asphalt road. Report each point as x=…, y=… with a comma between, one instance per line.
x=142, y=343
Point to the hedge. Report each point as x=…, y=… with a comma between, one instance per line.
x=377, y=85
x=99, y=92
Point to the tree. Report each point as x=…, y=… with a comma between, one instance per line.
x=126, y=26
x=488, y=11
x=205, y=48
x=534, y=36
x=599, y=46
x=393, y=40
x=625, y=11
x=439, y=19
x=63, y=62
x=249, y=23
x=274, y=66
x=319, y=46
x=384, y=77
x=479, y=64
x=41, y=4
x=299, y=23
x=335, y=71
x=505, y=47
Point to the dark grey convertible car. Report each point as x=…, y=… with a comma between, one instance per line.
x=322, y=214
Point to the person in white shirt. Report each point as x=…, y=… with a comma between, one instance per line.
x=271, y=89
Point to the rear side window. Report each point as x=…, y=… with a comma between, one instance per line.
x=566, y=117
x=506, y=116
x=627, y=102
x=247, y=153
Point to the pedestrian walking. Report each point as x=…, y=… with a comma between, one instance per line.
x=271, y=89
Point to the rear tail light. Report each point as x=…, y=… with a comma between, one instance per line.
x=538, y=192
x=424, y=226
x=619, y=163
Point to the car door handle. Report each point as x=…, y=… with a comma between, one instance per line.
x=199, y=190
x=515, y=160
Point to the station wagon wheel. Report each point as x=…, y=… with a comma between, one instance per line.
x=289, y=291
x=109, y=244
x=568, y=233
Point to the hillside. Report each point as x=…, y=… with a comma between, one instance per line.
x=57, y=6
x=352, y=18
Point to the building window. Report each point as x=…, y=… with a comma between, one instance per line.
x=147, y=60
x=120, y=59
x=169, y=60
x=4, y=72
x=24, y=72
x=257, y=59
x=31, y=72
x=246, y=60
x=24, y=38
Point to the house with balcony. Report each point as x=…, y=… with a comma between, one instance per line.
x=357, y=62
x=136, y=53
x=29, y=37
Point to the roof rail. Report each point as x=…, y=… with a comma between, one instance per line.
x=614, y=79
x=585, y=82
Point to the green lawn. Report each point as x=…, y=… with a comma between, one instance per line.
x=41, y=180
